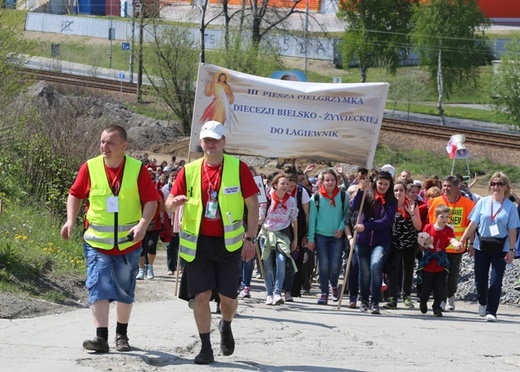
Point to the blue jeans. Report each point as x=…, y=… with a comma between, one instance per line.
x=110, y=277
x=489, y=296
x=247, y=272
x=330, y=258
x=271, y=277
x=371, y=260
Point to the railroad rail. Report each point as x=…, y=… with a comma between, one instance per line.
x=473, y=136
x=80, y=81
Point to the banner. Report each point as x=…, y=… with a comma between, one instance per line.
x=289, y=119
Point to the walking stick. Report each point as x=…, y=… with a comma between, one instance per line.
x=351, y=252
x=259, y=259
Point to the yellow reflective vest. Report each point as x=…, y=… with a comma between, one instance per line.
x=102, y=231
x=230, y=202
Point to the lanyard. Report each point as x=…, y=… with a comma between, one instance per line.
x=212, y=189
x=494, y=215
x=114, y=183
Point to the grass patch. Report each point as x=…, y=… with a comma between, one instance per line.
x=31, y=249
x=454, y=112
x=421, y=162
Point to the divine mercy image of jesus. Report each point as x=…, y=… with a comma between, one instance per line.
x=219, y=108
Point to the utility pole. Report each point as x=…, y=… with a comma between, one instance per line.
x=132, y=44
x=306, y=35
x=140, y=53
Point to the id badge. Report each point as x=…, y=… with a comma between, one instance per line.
x=112, y=204
x=211, y=209
x=493, y=229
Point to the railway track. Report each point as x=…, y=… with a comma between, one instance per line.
x=80, y=81
x=473, y=136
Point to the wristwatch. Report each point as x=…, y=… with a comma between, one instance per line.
x=252, y=240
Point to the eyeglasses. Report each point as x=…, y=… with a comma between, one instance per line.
x=499, y=184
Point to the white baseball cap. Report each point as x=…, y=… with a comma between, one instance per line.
x=212, y=129
x=388, y=168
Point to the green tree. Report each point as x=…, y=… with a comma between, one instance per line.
x=506, y=82
x=12, y=51
x=449, y=36
x=377, y=32
x=172, y=68
x=243, y=55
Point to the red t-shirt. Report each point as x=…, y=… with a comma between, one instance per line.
x=441, y=240
x=213, y=175
x=147, y=192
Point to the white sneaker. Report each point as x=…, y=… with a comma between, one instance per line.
x=140, y=274
x=451, y=303
x=443, y=305
x=277, y=299
x=491, y=318
x=269, y=300
x=150, y=274
x=482, y=310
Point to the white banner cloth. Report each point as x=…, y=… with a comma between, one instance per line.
x=290, y=119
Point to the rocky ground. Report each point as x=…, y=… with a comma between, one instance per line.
x=161, y=139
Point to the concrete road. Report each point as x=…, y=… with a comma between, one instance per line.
x=300, y=336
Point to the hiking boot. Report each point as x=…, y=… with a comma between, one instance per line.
x=375, y=309
x=140, y=274
x=245, y=293
x=423, y=307
x=122, y=343
x=227, y=342
x=335, y=294
x=97, y=344
x=451, y=303
x=391, y=303
x=324, y=299
x=150, y=275
x=407, y=302
x=204, y=357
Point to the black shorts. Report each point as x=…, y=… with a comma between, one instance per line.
x=214, y=267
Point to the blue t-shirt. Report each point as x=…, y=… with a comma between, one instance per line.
x=505, y=217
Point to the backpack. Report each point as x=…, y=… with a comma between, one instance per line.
x=343, y=196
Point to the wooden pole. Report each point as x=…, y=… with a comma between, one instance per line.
x=260, y=263
x=177, y=274
x=351, y=252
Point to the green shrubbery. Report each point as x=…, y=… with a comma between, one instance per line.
x=31, y=248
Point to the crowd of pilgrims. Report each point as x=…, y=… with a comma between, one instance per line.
x=399, y=241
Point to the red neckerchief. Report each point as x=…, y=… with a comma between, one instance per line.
x=380, y=197
x=277, y=201
x=325, y=194
x=404, y=212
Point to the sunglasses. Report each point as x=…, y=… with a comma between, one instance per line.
x=500, y=184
